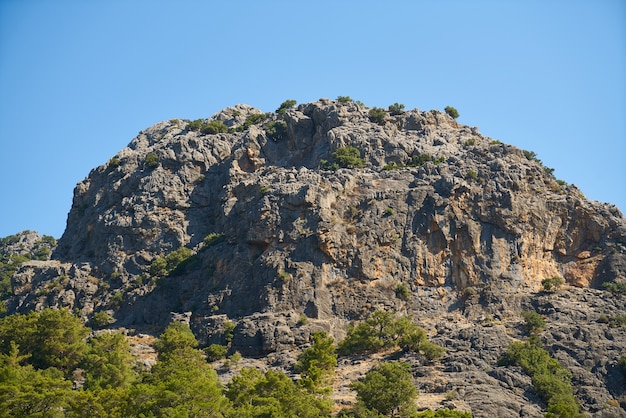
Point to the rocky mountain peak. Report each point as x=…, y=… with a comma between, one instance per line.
x=328, y=210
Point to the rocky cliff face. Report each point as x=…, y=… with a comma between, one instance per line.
x=441, y=223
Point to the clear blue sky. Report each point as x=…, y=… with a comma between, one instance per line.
x=79, y=79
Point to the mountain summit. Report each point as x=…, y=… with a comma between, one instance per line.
x=318, y=214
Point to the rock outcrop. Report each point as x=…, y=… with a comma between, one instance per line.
x=441, y=223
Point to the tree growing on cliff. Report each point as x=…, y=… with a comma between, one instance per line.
x=452, y=112
x=317, y=363
x=388, y=389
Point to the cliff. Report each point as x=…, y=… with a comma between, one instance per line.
x=259, y=219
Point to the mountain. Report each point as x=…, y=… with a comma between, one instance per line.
x=318, y=214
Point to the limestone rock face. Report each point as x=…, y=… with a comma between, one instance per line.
x=441, y=223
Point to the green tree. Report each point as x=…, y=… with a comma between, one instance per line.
x=377, y=115
x=534, y=322
x=181, y=384
x=108, y=362
x=551, y=284
x=317, y=363
x=396, y=109
x=162, y=266
x=52, y=338
x=388, y=389
x=384, y=330
x=273, y=394
x=551, y=381
x=276, y=129
x=214, y=127
x=284, y=106
x=348, y=157
x=27, y=392
x=452, y=112
x=177, y=338
x=344, y=99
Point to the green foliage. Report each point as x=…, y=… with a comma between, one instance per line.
x=551, y=284
x=101, y=319
x=195, y=125
x=215, y=352
x=108, y=362
x=272, y=394
x=253, y=120
x=152, y=160
x=284, y=106
x=402, y=292
x=303, y=320
x=613, y=321
x=229, y=331
x=276, y=129
x=348, y=157
x=471, y=175
x=452, y=112
x=317, y=363
x=163, y=266
x=396, y=109
x=551, y=381
x=388, y=389
x=116, y=300
x=213, y=127
x=177, y=338
x=377, y=115
x=615, y=288
x=534, y=322
x=214, y=238
x=28, y=392
x=344, y=99
x=181, y=384
x=114, y=162
x=531, y=155
x=52, y=338
x=385, y=330
x=326, y=165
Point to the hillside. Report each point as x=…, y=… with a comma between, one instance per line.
x=319, y=214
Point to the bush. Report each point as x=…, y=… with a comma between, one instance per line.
x=378, y=115
x=534, y=322
x=152, y=160
x=396, y=109
x=551, y=381
x=214, y=127
x=215, y=352
x=276, y=129
x=163, y=266
x=348, y=157
x=195, y=125
x=253, y=120
x=452, y=112
x=317, y=363
x=384, y=330
x=286, y=105
x=471, y=175
x=388, y=389
x=402, y=292
x=344, y=99
x=615, y=288
x=552, y=283
x=213, y=238
x=101, y=319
